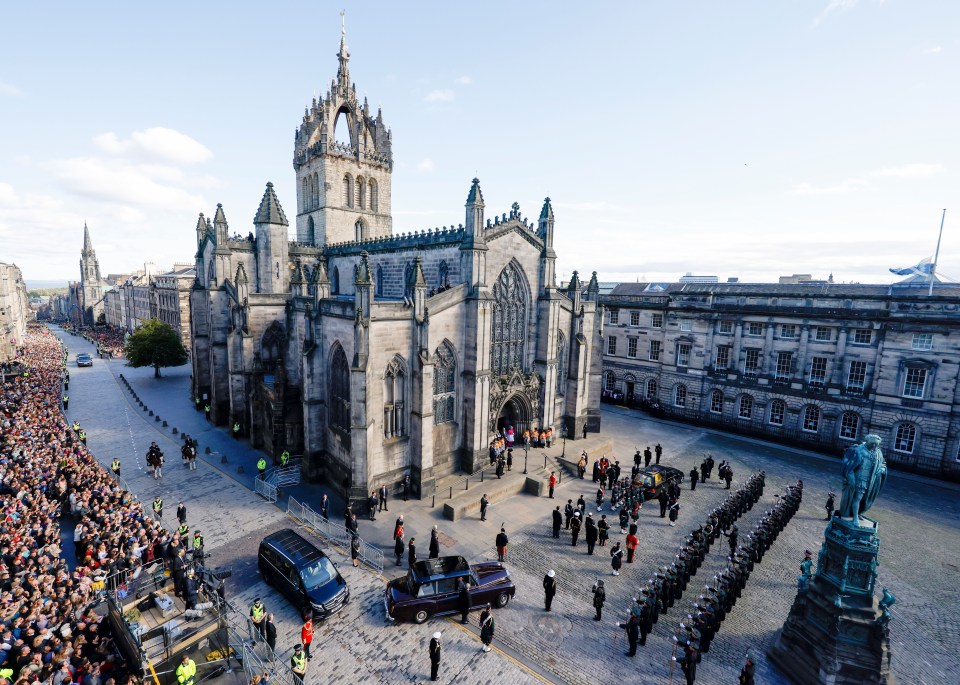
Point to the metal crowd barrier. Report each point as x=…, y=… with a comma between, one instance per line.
x=253, y=652
x=265, y=489
x=335, y=534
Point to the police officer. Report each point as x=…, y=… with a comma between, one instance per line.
x=285, y=458
x=158, y=507
x=83, y=437
x=298, y=663
x=183, y=530
x=262, y=468
x=197, y=544
x=66, y=402
x=186, y=671
x=196, y=402
x=206, y=410
x=258, y=614
x=115, y=467
x=236, y=430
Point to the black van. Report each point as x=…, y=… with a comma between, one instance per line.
x=297, y=568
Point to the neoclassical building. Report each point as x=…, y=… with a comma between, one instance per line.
x=378, y=355
x=819, y=365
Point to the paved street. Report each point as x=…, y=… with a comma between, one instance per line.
x=917, y=518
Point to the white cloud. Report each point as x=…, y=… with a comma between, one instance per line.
x=844, y=186
x=464, y=81
x=834, y=6
x=440, y=96
x=910, y=171
x=10, y=90
x=122, y=183
x=935, y=50
x=160, y=142
x=425, y=165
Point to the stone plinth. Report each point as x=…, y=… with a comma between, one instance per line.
x=836, y=633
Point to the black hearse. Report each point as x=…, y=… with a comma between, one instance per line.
x=297, y=568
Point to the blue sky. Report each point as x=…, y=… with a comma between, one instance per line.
x=748, y=139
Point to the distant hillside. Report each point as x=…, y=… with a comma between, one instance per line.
x=40, y=284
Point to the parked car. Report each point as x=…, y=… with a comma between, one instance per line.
x=431, y=588
x=300, y=570
x=84, y=359
x=655, y=477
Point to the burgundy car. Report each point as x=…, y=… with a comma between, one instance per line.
x=431, y=588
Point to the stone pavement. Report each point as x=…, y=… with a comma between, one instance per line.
x=918, y=555
x=356, y=645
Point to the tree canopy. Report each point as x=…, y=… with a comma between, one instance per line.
x=155, y=344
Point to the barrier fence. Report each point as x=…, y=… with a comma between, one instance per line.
x=334, y=533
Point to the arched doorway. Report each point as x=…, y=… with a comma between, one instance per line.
x=516, y=413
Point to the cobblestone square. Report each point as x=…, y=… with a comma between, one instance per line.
x=917, y=518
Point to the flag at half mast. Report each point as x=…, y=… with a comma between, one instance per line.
x=923, y=268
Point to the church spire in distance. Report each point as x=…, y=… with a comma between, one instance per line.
x=87, y=243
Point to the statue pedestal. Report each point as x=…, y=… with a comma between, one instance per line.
x=836, y=633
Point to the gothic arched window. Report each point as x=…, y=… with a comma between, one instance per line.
x=509, y=321
x=394, y=380
x=316, y=191
x=335, y=281
x=339, y=390
x=361, y=193
x=374, y=195
x=444, y=384
x=311, y=231
x=379, y=280
x=347, y=190
x=359, y=231
x=562, y=364
x=272, y=345
x=305, y=196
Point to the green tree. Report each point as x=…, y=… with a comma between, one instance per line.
x=155, y=344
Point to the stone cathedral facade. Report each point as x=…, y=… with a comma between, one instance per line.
x=378, y=355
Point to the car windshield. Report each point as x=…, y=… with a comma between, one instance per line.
x=317, y=573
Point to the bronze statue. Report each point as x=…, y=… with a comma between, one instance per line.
x=864, y=472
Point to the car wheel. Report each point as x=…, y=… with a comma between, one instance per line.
x=502, y=600
x=421, y=616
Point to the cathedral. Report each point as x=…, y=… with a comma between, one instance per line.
x=378, y=355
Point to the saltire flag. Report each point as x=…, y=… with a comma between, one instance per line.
x=924, y=267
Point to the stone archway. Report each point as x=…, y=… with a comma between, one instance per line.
x=516, y=412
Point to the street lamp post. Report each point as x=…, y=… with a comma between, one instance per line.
x=563, y=434
x=526, y=452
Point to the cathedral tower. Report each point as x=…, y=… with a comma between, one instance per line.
x=91, y=286
x=343, y=185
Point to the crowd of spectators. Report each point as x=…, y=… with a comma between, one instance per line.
x=49, y=629
x=109, y=341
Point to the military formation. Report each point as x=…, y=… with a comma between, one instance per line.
x=669, y=583
x=695, y=634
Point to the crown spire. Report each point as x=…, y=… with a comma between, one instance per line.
x=343, y=73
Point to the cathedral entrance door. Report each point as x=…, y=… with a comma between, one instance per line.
x=514, y=413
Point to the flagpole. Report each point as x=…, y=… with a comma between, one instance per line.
x=936, y=255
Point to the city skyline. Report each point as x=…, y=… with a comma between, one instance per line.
x=750, y=142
